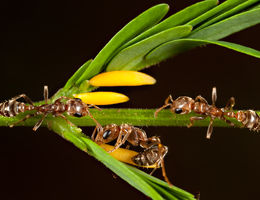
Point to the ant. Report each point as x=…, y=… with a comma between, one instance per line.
x=73, y=106
x=123, y=133
x=154, y=151
x=249, y=118
x=184, y=105
x=153, y=155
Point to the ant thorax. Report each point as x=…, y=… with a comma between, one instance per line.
x=76, y=108
x=182, y=105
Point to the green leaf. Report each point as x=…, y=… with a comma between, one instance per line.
x=229, y=4
x=228, y=26
x=155, y=189
x=173, y=190
x=176, y=47
x=138, y=25
x=129, y=58
x=229, y=13
x=77, y=75
x=176, y=19
x=121, y=169
x=74, y=135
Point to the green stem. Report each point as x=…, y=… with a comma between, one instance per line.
x=136, y=117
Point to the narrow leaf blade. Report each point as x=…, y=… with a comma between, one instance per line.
x=229, y=26
x=121, y=169
x=177, y=192
x=229, y=13
x=133, y=28
x=176, y=19
x=215, y=11
x=73, y=79
x=175, y=47
x=129, y=58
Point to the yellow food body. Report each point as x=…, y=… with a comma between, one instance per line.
x=102, y=98
x=124, y=155
x=122, y=78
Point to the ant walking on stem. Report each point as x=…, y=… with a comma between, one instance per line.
x=184, y=105
x=72, y=106
x=153, y=153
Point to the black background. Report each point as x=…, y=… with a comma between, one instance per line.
x=44, y=42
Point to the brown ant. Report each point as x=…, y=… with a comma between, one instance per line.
x=249, y=118
x=153, y=155
x=154, y=151
x=72, y=106
x=124, y=132
x=184, y=105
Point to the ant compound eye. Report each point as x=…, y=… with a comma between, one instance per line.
x=78, y=99
x=178, y=110
x=77, y=115
x=106, y=134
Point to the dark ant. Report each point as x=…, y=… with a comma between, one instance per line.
x=154, y=151
x=72, y=106
x=153, y=155
x=184, y=105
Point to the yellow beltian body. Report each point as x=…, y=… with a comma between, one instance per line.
x=102, y=98
x=124, y=155
x=122, y=78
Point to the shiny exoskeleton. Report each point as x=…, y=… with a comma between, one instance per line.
x=72, y=106
x=184, y=105
x=153, y=155
x=122, y=133
x=249, y=118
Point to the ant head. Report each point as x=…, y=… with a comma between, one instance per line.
x=182, y=105
x=77, y=108
x=107, y=134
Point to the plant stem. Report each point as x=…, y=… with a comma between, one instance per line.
x=136, y=117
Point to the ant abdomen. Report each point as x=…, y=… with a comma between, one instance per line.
x=150, y=156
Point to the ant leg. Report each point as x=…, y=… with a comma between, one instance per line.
x=92, y=105
x=228, y=121
x=154, y=169
x=26, y=98
x=121, y=141
x=153, y=141
x=22, y=120
x=63, y=117
x=192, y=119
x=210, y=128
x=166, y=104
x=118, y=141
x=230, y=104
x=201, y=99
x=164, y=173
x=161, y=162
x=214, y=95
x=38, y=124
x=99, y=127
x=93, y=134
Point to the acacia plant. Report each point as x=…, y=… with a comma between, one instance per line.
x=145, y=41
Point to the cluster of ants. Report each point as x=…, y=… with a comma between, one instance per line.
x=153, y=150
